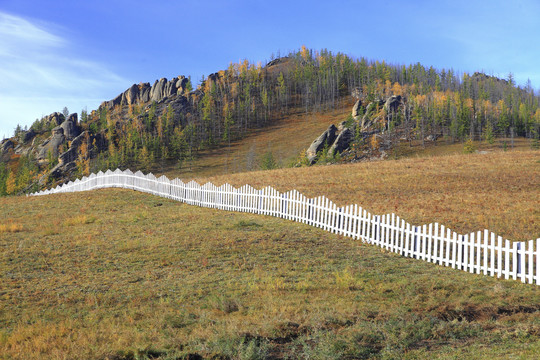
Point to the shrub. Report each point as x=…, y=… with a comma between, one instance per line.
x=469, y=147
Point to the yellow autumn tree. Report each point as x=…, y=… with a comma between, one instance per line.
x=11, y=183
x=304, y=52
x=83, y=159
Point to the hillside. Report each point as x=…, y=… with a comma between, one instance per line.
x=217, y=126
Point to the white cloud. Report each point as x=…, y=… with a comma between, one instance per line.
x=41, y=73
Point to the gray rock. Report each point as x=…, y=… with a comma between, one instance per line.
x=131, y=95
x=71, y=129
x=170, y=88
x=145, y=94
x=28, y=135
x=370, y=117
x=73, y=117
x=342, y=142
x=392, y=103
x=432, y=137
x=52, y=144
x=5, y=145
x=181, y=84
x=156, y=93
x=326, y=137
x=73, y=152
x=342, y=125
x=356, y=110
x=55, y=118
x=117, y=101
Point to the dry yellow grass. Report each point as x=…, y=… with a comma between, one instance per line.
x=10, y=228
x=499, y=191
x=153, y=278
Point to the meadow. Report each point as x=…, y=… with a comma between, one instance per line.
x=117, y=274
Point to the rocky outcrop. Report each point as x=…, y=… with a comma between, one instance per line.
x=71, y=127
x=73, y=152
x=342, y=142
x=5, y=145
x=144, y=93
x=54, y=119
x=357, y=110
x=326, y=138
x=52, y=144
x=67, y=161
x=26, y=136
x=66, y=131
x=364, y=118
x=392, y=103
x=371, y=116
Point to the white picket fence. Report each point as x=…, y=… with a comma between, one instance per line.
x=479, y=252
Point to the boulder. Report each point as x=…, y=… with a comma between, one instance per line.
x=356, y=110
x=181, y=84
x=52, y=144
x=5, y=145
x=28, y=135
x=342, y=142
x=55, y=118
x=171, y=88
x=326, y=137
x=131, y=95
x=73, y=152
x=70, y=127
x=145, y=93
x=156, y=93
x=392, y=103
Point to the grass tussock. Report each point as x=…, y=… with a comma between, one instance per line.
x=79, y=220
x=10, y=228
x=181, y=282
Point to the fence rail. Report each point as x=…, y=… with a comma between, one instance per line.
x=479, y=252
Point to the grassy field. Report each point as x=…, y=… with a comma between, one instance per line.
x=116, y=274
x=499, y=191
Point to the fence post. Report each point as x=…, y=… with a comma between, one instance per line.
x=538, y=261
x=515, y=262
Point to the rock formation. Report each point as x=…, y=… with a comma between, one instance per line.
x=52, y=144
x=144, y=93
x=326, y=138
x=392, y=103
x=70, y=127
x=342, y=142
x=67, y=130
x=364, y=118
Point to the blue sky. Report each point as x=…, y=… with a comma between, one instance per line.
x=79, y=53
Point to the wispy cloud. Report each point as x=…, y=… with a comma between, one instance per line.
x=41, y=73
